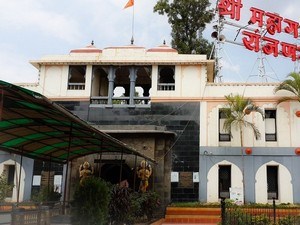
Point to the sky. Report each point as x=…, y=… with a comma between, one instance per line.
x=31, y=29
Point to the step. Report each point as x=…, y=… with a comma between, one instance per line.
x=192, y=215
x=192, y=219
x=192, y=211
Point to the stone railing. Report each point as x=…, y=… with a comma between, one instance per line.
x=166, y=86
x=119, y=101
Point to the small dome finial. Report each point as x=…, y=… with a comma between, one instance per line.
x=132, y=40
x=164, y=42
x=92, y=43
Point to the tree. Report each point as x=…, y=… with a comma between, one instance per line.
x=235, y=116
x=188, y=19
x=292, y=85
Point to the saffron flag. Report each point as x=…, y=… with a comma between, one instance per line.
x=129, y=4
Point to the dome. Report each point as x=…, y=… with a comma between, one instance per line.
x=163, y=48
x=88, y=49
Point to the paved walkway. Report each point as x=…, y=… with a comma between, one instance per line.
x=161, y=222
x=65, y=220
x=61, y=220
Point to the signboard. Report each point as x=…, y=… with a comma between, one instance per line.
x=236, y=194
x=174, y=177
x=268, y=25
x=36, y=180
x=58, y=182
x=196, y=177
x=186, y=180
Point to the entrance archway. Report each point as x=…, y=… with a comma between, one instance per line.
x=111, y=172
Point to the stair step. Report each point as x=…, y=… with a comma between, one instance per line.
x=193, y=211
x=192, y=215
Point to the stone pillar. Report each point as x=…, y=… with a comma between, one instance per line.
x=111, y=80
x=146, y=93
x=132, y=77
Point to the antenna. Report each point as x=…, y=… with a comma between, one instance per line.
x=297, y=62
x=217, y=47
x=220, y=39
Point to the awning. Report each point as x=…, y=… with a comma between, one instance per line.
x=33, y=126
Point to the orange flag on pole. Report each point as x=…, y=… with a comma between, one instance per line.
x=129, y=4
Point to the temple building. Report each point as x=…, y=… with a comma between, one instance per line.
x=167, y=106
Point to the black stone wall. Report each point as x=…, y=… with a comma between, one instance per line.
x=181, y=118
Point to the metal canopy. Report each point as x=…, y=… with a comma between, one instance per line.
x=33, y=126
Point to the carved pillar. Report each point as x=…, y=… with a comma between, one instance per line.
x=132, y=77
x=111, y=80
x=146, y=92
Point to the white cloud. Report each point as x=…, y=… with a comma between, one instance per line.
x=14, y=68
x=33, y=28
x=30, y=14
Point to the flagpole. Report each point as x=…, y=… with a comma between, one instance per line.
x=129, y=4
x=132, y=26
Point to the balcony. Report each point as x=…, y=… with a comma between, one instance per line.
x=100, y=101
x=76, y=86
x=166, y=86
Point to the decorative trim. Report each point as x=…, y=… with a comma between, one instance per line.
x=248, y=151
x=297, y=151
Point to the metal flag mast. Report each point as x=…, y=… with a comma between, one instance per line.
x=130, y=3
x=132, y=26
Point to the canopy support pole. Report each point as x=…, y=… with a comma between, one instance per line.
x=49, y=173
x=19, y=182
x=100, y=157
x=134, y=172
x=121, y=166
x=67, y=169
x=1, y=103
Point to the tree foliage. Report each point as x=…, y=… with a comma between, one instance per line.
x=237, y=108
x=5, y=188
x=91, y=201
x=235, y=113
x=47, y=194
x=119, y=207
x=188, y=19
x=292, y=85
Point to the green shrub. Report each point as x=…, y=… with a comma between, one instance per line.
x=150, y=202
x=120, y=205
x=261, y=220
x=90, y=204
x=289, y=220
x=47, y=194
x=144, y=204
x=5, y=188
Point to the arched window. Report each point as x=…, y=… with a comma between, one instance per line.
x=166, y=80
x=76, y=77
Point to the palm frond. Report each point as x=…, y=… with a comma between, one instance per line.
x=292, y=85
x=256, y=131
x=237, y=108
x=284, y=99
x=254, y=108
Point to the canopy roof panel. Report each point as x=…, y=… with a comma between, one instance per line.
x=33, y=126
